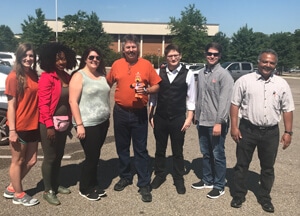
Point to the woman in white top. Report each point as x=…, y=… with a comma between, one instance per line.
x=89, y=102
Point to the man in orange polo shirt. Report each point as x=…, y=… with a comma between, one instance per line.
x=135, y=78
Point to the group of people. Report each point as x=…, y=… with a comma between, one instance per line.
x=176, y=101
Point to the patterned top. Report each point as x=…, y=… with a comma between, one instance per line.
x=94, y=102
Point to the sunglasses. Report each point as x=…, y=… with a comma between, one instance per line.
x=210, y=54
x=91, y=57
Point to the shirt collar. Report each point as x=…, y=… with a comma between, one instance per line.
x=212, y=69
x=260, y=77
x=175, y=70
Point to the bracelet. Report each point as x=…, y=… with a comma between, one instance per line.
x=79, y=124
x=12, y=130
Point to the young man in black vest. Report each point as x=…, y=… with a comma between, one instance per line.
x=175, y=105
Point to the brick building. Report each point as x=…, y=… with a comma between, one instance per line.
x=154, y=37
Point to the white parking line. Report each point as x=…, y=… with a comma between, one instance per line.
x=39, y=157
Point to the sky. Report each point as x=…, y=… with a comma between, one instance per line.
x=266, y=16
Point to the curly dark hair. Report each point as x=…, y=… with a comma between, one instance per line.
x=48, y=52
x=101, y=67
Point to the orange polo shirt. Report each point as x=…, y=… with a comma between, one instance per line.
x=123, y=74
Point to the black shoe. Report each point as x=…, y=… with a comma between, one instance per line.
x=201, y=185
x=100, y=191
x=92, y=196
x=215, y=193
x=237, y=202
x=146, y=193
x=267, y=206
x=122, y=183
x=157, y=182
x=180, y=188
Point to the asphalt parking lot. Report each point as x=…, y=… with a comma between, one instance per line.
x=166, y=201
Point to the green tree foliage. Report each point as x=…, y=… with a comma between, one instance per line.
x=156, y=60
x=112, y=56
x=190, y=34
x=283, y=44
x=36, y=31
x=8, y=42
x=82, y=30
x=296, y=42
x=222, y=39
x=242, y=47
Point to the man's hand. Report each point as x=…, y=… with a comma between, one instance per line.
x=286, y=140
x=236, y=134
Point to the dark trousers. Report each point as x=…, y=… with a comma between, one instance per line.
x=91, y=144
x=53, y=152
x=267, y=142
x=132, y=124
x=163, y=128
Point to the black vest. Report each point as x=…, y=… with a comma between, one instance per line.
x=171, y=101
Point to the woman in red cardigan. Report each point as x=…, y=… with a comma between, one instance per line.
x=53, y=92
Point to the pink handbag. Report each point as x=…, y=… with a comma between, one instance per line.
x=61, y=123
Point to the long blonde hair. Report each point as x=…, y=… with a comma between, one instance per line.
x=18, y=67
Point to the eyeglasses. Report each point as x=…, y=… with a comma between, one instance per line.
x=171, y=56
x=210, y=54
x=91, y=57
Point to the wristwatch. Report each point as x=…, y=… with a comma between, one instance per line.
x=289, y=132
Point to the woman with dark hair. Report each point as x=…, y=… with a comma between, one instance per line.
x=89, y=101
x=21, y=88
x=53, y=94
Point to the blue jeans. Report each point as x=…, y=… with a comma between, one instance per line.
x=132, y=124
x=214, y=160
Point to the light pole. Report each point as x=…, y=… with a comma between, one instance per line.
x=56, y=36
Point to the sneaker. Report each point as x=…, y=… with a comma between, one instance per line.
x=8, y=194
x=63, y=190
x=93, y=196
x=51, y=198
x=201, y=185
x=100, y=191
x=157, y=182
x=26, y=200
x=215, y=193
x=146, y=193
x=122, y=183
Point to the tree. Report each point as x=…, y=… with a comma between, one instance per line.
x=296, y=39
x=82, y=30
x=224, y=41
x=8, y=42
x=36, y=31
x=190, y=34
x=283, y=44
x=242, y=47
